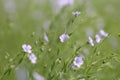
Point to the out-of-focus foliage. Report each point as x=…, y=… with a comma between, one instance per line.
x=26, y=22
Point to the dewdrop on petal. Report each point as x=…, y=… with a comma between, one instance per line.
x=64, y=37
x=97, y=38
x=27, y=48
x=32, y=58
x=76, y=13
x=90, y=41
x=103, y=33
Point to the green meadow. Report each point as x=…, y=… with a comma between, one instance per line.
x=40, y=23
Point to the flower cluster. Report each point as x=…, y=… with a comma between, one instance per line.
x=78, y=61
x=31, y=55
x=98, y=37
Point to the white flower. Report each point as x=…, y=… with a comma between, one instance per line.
x=90, y=41
x=38, y=76
x=32, y=58
x=9, y=6
x=78, y=61
x=103, y=33
x=64, y=37
x=76, y=13
x=97, y=38
x=27, y=48
x=46, y=37
x=62, y=3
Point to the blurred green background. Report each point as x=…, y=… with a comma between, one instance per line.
x=26, y=21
